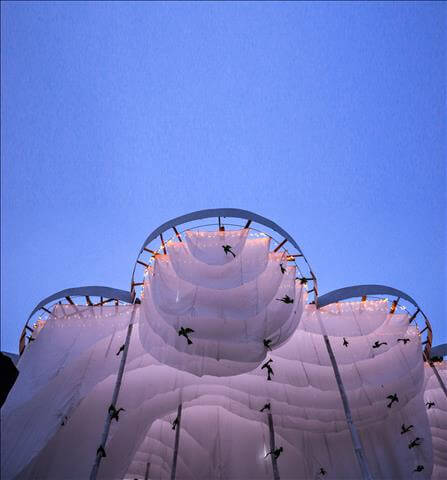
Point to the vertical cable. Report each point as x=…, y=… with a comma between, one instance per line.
x=358, y=447
x=146, y=474
x=177, y=440
x=273, y=448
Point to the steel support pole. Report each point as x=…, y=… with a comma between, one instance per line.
x=273, y=448
x=358, y=447
x=116, y=392
x=355, y=437
x=146, y=474
x=177, y=440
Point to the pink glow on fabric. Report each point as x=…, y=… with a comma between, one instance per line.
x=53, y=419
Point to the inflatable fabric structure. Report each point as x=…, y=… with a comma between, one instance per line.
x=225, y=370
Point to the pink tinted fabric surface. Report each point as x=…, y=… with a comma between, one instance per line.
x=223, y=430
x=232, y=306
x=437, y=417
x=53, y=419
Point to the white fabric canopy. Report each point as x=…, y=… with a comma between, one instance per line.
x=231, y=301
x=250, y=261
x=73, y=352
x=53, y=419
x=222, y=429
x=437, y=417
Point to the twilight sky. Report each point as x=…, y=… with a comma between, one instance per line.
x=330, y=119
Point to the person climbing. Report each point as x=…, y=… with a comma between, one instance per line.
x=276, y=452
x=285, y=299
x=322, y=472
x=404, y=340
x=114, y=413
x=267, y=342
x=175, y=423
x=265, y=407
x=345, y=342
x=393, y=399
x=430, y=404
x=121, y=349
x=405, y=429
x=269, y=369
x=415, y=443
x=101, y=452
x=378, y=344
x=283, y=269
x=419, y=468
x=227, y=250
x=184, y=332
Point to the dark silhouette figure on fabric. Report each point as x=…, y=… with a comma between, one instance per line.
x=430, y=404
x=114, y=413
x=265, y=407
x=285, y=299
x=345, y=342
x=175, y=423
x=267, y=342
x=101, y=452
x=269, y=369
x=405, y=429
x=415, y=443
x=419, y=468
x=322, y=471
x=276, y=453
x=184, y=332
x=120, y=350
x=393, y=398
x=378, y=344
x=227, y=250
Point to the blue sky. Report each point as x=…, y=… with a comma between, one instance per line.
x=327, y=118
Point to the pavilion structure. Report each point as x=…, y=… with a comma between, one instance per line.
x=224, y=361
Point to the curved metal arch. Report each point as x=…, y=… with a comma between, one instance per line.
x=90, y=291
x=365, y=290
x=219, y=212
x=87, y=291
x=361, y=290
